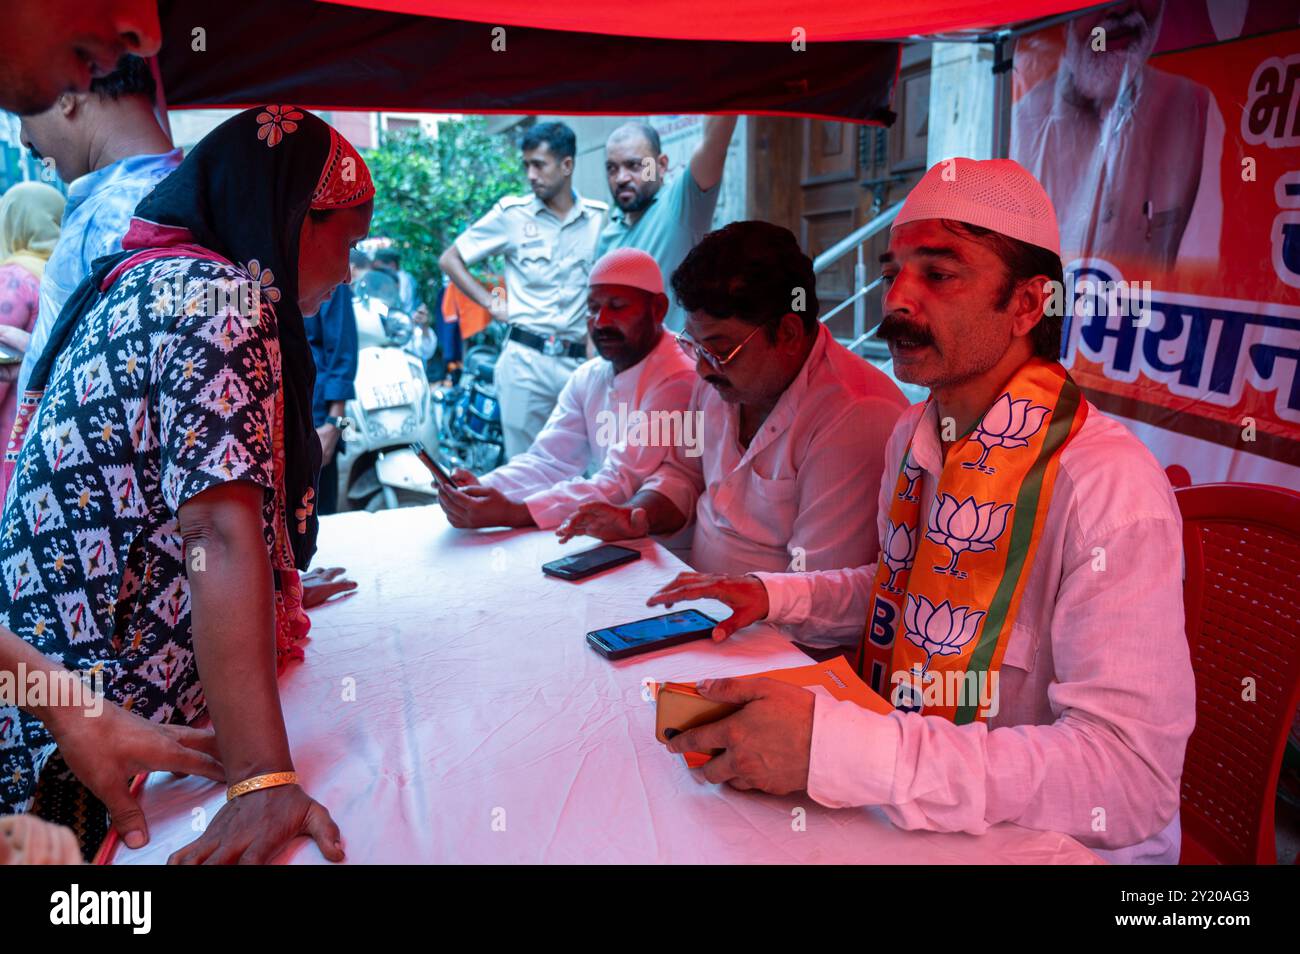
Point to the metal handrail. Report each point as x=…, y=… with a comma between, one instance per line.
x=859, y=341
x=851, y=242
x=855, y=239
x=825, y=319
x=860, y=293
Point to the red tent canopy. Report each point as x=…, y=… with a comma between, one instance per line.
x=667, y=56
x=752, y=20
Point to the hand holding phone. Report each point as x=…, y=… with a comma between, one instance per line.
x=463, y=478
x=679, y=707
x=440, y=476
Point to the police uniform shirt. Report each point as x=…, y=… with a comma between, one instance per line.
x=547, y=260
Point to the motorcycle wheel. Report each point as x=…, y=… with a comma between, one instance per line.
x=484, y=457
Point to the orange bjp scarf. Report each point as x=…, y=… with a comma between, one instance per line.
x=946, y=594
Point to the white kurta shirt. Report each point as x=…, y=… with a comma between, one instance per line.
x=1096, y=698
x=803, y=494
x=594, y=428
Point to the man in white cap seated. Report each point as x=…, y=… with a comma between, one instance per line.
x=1025, y=617
x=614, y=420
x=794, y=426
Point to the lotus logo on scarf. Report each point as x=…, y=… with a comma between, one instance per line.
x=940, y=630
x=898, y=553
x=913, y=474
x=1008, y=424
x=964, y=526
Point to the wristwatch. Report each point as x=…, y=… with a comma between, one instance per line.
x=342, y=423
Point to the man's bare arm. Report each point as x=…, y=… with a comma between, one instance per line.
x=454, y=267
x=104, y=745
x=661, y=513
x=711, y=154
x=14, y=650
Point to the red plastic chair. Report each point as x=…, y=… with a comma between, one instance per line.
x=1242, y=598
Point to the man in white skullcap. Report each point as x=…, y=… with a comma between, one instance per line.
x=1025, y=617
x=614, y=420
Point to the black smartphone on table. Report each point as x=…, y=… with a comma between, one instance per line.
x=440, y=475
x=648, y=635
x=578, y=566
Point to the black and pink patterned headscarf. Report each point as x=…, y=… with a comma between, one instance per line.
x=242, y=195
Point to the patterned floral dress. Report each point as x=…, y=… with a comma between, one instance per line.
x=157, y=397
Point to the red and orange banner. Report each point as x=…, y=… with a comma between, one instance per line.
x=1168, y=136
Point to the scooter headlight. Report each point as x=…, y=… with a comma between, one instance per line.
x=399, y=327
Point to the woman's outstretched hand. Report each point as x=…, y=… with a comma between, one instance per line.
x=251, y=829
x=106, y=748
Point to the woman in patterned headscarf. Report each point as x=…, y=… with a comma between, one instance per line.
x=30, y=215
x=165, y=465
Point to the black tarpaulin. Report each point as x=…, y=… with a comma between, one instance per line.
x=326, y=56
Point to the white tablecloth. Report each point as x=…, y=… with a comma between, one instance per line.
x=485, y=730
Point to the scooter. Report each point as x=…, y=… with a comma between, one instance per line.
x=392, y=407
x=468, y=414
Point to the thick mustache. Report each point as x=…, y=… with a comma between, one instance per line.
x=892, y=329
x=607, y=336
x=717, y=381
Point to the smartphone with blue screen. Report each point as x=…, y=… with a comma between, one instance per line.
x=649, y=635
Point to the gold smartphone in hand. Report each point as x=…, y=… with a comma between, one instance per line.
x=678, y=707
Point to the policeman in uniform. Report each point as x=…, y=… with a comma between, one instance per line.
x=549, y=243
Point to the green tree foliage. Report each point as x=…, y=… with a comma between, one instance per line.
x=429, y=189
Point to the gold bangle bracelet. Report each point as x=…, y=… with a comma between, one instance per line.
x=261, y=781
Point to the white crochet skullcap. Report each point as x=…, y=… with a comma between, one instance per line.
x=997, y=194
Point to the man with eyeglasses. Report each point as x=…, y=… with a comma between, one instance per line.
x=615, y=417
x=794, y=425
